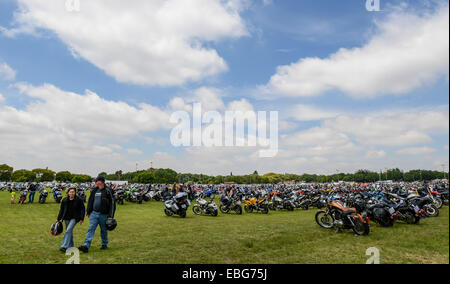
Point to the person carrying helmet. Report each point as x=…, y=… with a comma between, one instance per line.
x=101, y=208
x=72, y=212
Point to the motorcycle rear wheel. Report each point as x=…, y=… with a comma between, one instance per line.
x=438, y=202
x=431, y=211
x=360, y=228
x=248, y=209
x=224, y=209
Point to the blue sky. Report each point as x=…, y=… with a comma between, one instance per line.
x=254, y=39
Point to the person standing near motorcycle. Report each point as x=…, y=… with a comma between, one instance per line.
x=101, y=207
x=32, y=191
x=72, y=212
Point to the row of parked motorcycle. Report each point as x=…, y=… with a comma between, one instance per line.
x=340, y=206
x=354, y=211
x=43, y=190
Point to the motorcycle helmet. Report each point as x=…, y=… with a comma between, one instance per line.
x=111, y=224
x=56, y=229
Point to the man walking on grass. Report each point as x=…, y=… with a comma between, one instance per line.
x=101, y=207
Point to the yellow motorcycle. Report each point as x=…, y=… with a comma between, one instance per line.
x=253, y=204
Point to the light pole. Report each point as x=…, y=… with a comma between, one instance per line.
x=444, y=167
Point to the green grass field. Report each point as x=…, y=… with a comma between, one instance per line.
x=146, y=235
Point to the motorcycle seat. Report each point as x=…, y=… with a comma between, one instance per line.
x=349, y=210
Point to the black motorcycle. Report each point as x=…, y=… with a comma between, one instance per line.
x=43, y=194
x=409, y=213
x=426, y=203
x=382, y=213
x=82, y=195
x=119, y=196
x=228, y=204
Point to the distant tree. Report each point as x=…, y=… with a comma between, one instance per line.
x=144, y=178
x=81, y=178
x=43, y=175
x=63, y=176
x=6, y=172
x=165, y=176
x=23, y=176
x=119, y=175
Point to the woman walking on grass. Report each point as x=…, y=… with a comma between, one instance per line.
x=72, y=211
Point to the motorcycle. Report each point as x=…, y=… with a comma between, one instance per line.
x=43, y=194
x=205, y=207
x=23, y=196
x=424, y=202
x=409, y=213
x=337, y=216
x=134, y=196
x=228, y=204
x=57, y=195
x=177, y=205
x=382, y=213
x=119, y=196
x=253, y=204
x=82, y=194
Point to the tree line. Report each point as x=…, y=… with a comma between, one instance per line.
x=167, y=176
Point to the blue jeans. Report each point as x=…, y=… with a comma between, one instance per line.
x=95, y=220
x=31, y=197
x=67, y=241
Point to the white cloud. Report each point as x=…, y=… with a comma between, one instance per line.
x=6, y=72
x=303, y=112
x=58, y=126
x=407, y=52
x=375, y=154
x=393, y=129
x=145, y=42
x=241, y=105
x=416, y=151
x=2, y=98
x=134, y=151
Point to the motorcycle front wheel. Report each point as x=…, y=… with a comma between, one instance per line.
x=238, y=210
x=324, y=220
x=183, y=214
x=197, y=210
x=168, y=212
x=213, y=213
x=265, y=210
